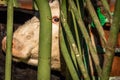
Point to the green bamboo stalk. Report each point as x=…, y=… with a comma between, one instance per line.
x=15, y=3
x=78, y=6
x=71, y=51
x=77, y=54
x=86, y=36
x=45, y=39
x=77, y=38
x=72, y=42
x=112, y=40
x=96, y=21
x=67, y=58
x=73, y=57
x=76, y=33
x=35, y=6
x=8, y=61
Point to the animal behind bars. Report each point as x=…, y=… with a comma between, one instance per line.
x=26, y=40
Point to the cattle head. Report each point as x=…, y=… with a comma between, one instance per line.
x=26, y=39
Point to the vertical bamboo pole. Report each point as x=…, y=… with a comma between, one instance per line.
x=44, y=40
x=112, y=40
x=9, y=40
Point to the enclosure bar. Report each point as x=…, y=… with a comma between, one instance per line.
x=45, y=40
x=8, y=61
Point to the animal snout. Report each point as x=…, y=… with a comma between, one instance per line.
x=14, y=43
x=17, y=48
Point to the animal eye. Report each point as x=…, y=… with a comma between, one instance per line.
x=55, y=19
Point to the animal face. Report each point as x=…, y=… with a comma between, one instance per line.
x=26, y=39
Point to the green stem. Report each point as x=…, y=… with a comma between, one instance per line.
x=67, y=58
x=112, y=40
x=8, y=60
x=86, y=36
x=72, y=42
x=45, y=39
x=78, y=6
x=15, y=3
x=76, y=33
x=35, y=6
